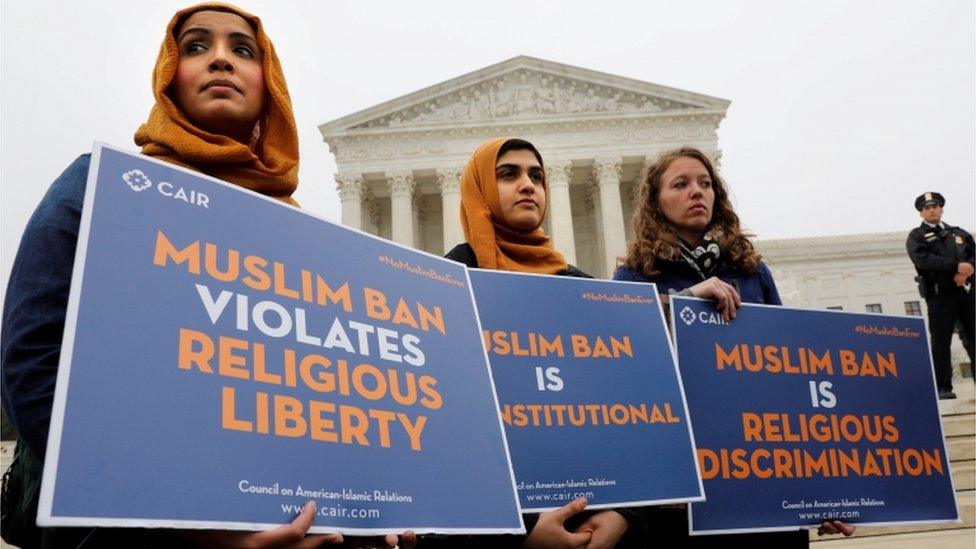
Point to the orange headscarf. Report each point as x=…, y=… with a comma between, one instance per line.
x=268, y=165
x=495, y=245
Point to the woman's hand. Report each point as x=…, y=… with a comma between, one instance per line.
x=836, y=527
x=549, y=532
x=726, y=299
x=606, y=527
x=292, y=535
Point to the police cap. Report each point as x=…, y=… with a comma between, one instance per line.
x=925, y=199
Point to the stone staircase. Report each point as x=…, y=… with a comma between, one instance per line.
x=959, y=426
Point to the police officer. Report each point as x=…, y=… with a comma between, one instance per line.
x=943, y=258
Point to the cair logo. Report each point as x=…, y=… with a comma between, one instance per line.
x=705, y=317
x=138, y=181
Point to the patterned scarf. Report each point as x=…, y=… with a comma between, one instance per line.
x=702, y=258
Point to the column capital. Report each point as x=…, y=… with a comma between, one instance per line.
x=350, y=186
x=646, y=163
x=401, y=183
x=607, y=167
x=716, y=156
x=559, y=172
x=449, y=179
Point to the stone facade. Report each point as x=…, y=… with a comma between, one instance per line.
x=400, y=161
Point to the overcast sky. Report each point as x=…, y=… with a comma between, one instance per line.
x=842, y=111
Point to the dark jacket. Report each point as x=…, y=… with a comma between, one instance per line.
x=637, y=535
x=464, y=253
x=676, y=276
x=937, y=255
x=671, y=523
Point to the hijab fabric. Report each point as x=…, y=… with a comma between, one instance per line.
x=268, y=165
x=495, y=245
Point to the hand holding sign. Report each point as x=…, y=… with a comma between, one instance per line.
x=550, y=532
x=726, y=299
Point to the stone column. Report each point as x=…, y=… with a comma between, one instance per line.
x=593, y=205
x=558, y=174
x=371, y=212
x=449, y=180
x=401, y=206
x=607, y=173
x=419, y=216
x=350, y=189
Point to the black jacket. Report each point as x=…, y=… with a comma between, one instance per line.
x=936, y=255
x=637, y=535
x=464, y=253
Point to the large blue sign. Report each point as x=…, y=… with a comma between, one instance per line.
x=228, y=358
x=803, y=416
x=588, y=389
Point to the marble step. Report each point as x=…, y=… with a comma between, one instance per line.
x=962, y=405
x=965, y=499
x=961, y=448
x=959, y=538
x=963, y=475
x=959, y=425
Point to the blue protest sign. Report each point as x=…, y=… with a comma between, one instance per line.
x=228, y=358
x=588, y=389
x=803, y=416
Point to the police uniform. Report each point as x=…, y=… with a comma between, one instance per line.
x=936, y=252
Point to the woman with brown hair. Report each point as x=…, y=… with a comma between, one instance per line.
x=222, y=108
x=688, y=241
x=687, y=237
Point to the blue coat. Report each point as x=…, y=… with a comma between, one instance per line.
x=757, y=287
x=36, y=304
x=675, y=276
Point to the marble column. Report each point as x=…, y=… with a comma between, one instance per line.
x=593, y=205
x=558, y=174
x=418, y=218
x=350, y=189
x=401, y=206
x=606, y=171
x=371, y=212
x=449, y=180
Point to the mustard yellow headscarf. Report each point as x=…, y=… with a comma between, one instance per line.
x=268, y=165
x=495, y=245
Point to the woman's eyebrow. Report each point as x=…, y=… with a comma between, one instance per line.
x=194, y=30
x=236, y=35
x=243, y=35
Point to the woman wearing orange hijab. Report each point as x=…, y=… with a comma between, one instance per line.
x=222, y=108
x=503, y=205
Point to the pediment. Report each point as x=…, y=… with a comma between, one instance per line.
x=524, y=88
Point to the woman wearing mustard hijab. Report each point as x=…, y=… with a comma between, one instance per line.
x=503, y=204
x=222, y=108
